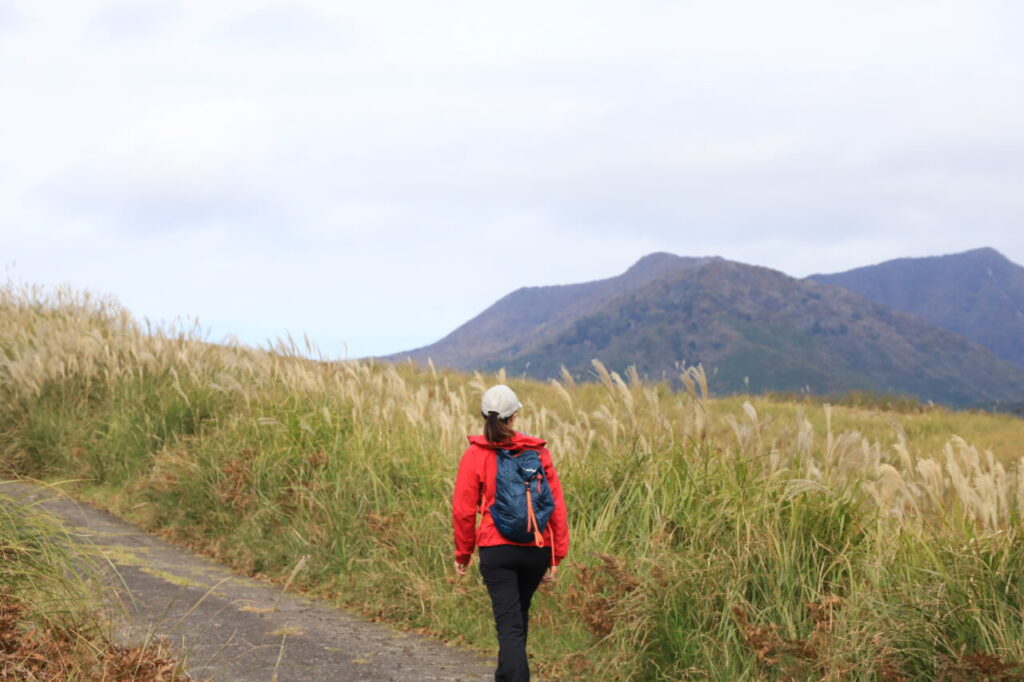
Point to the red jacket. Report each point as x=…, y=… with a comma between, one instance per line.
x=474, y=493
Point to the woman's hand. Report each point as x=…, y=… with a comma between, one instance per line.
x=460, y=569
x=549, y=577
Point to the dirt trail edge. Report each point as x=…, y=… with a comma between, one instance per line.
x=231, y=627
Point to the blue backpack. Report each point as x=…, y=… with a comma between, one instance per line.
x=522, y=498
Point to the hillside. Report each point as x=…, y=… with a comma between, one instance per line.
x=780, y=540
x=753, y=328
x=751, y=324
x=527, y=316
x=978, y=294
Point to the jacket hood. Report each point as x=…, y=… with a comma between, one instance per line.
x=520, y=441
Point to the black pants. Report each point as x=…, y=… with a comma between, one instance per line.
x=512, y=574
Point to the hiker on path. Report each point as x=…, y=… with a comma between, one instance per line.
x=513, y=568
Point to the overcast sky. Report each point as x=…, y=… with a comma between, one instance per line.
x=377, y=173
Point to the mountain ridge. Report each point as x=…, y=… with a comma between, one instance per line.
x=529, y=312
x=753, y=328
x=978, y=294
x=758, y=329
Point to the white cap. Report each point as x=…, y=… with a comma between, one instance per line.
x=500, y=399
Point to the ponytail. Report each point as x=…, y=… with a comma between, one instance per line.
x=497, y=430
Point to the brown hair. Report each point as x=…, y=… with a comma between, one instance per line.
x=497, y=430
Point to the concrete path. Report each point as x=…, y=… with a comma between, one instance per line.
x=231, y=627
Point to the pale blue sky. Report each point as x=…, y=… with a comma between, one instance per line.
x=379, y=172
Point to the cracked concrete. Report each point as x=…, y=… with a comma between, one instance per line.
x=231, y=627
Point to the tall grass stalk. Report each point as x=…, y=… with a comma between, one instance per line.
x=41, y=565
x=56, y=613
x=712, y=538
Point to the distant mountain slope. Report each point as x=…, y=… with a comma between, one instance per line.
x=978, y=294
x=520, y=319
x=779, y=333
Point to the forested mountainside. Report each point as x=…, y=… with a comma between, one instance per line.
x=978, y=294
x=753, y=329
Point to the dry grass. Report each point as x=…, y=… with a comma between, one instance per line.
x=29, y=651
x=53, y=615
x=687, y=511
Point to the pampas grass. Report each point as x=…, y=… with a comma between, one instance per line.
x=730, y=538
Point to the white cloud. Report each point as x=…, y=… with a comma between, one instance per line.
x=361, y=170
x=134, y=21
x=195, y=162
x=279, y=26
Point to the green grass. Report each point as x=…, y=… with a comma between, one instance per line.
x=40, y=565
x=741, y=538
x=55, y=612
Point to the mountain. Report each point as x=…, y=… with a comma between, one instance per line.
x=526, y=316
x=978, y=294
x=757, y=329
x=752, y=328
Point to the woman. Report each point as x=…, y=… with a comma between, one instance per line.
x=511, y=570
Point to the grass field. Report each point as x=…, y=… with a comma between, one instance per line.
x=733, y=538
x=55, y=616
